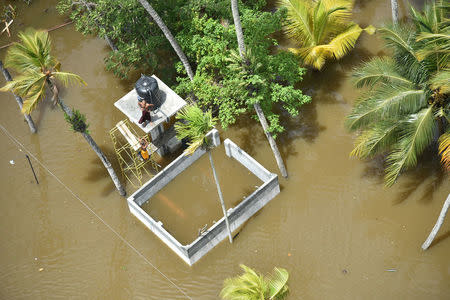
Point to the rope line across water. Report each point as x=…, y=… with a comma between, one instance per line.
x=20, y=145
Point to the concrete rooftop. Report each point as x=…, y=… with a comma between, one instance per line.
x=171, y=104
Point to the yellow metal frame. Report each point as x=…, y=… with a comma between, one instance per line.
x=131, y=163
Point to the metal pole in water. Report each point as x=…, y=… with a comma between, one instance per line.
x=32, y=169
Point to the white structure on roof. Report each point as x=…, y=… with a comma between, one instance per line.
x=165, y=141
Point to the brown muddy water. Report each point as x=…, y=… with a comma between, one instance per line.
x=335, y=228
x=190, y=202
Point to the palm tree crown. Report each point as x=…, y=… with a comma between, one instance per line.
x=194, y=126
x=322, y=28
x=406, y=107
x=37, y=69
x=252, y=286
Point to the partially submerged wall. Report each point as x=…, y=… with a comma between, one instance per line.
x=216, y=233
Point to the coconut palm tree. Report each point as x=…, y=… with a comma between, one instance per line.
x=256, y=105
x=406, y=108
x=194, y=124
x=252, y=286
x=18, y=99
x=169, y=37
x=322, y=28
x=38, y=71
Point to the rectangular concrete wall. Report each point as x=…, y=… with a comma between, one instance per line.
x=218, y=232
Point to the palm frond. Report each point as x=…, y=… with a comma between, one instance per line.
x=313, y=56
x=399, y=38
x=34, y=97
x=277, y=282
x=33, y=52
x=344, y=42
x=298, y=21
x=434, y=43
x=339, y=11
x=68, y=78
x=323, y=15
x=402, y=39
x=444, y=149
x=387, y=101
x=378, y=70
x=194, y=124
x=322, y=29
x=22, y=85
x=418, y=134
x=248, y=286
x=377, y=139
x=441, y=81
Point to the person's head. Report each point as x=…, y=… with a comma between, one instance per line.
x=142, y=142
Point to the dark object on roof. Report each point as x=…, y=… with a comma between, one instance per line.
x=147, y=90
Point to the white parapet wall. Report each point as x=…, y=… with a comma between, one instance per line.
x=216, y=233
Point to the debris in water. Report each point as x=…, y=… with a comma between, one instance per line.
x=41, y=269
x=344, y=271
x=289, y=254
x=35, y=258
x=391, y=270
x=12, y=162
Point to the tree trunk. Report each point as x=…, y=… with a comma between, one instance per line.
x=257, y=106
x=438, y=224
x=97, y=151
x=394, y=6
x=238, y=28
x=273, y=144
x=169, y=37
x=19, y=100
x=108, y=40
x=219, y=191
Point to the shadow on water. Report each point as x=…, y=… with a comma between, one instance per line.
x=424, y=179
x=440, y=238
x=249, y=135
x=97, y=171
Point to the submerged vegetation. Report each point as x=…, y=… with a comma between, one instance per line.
x=252, y=286
x=207, y=36
x=323, y=29
x=403, y=110
x=39, y=71
x=407, y=108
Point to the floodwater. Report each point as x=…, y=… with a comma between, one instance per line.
x=190, y=202
x=334, y=226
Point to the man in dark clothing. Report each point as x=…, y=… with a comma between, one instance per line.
x=145, y=108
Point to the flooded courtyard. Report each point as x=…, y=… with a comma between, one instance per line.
x=334, y=227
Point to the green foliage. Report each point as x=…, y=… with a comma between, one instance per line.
x=323, y=29
x=193, y=125
x=37, y=69
x=406, y=107
x=139, y=41
x=221, y=81
x=206, y=34
x=77, y=122
x=252, y=286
